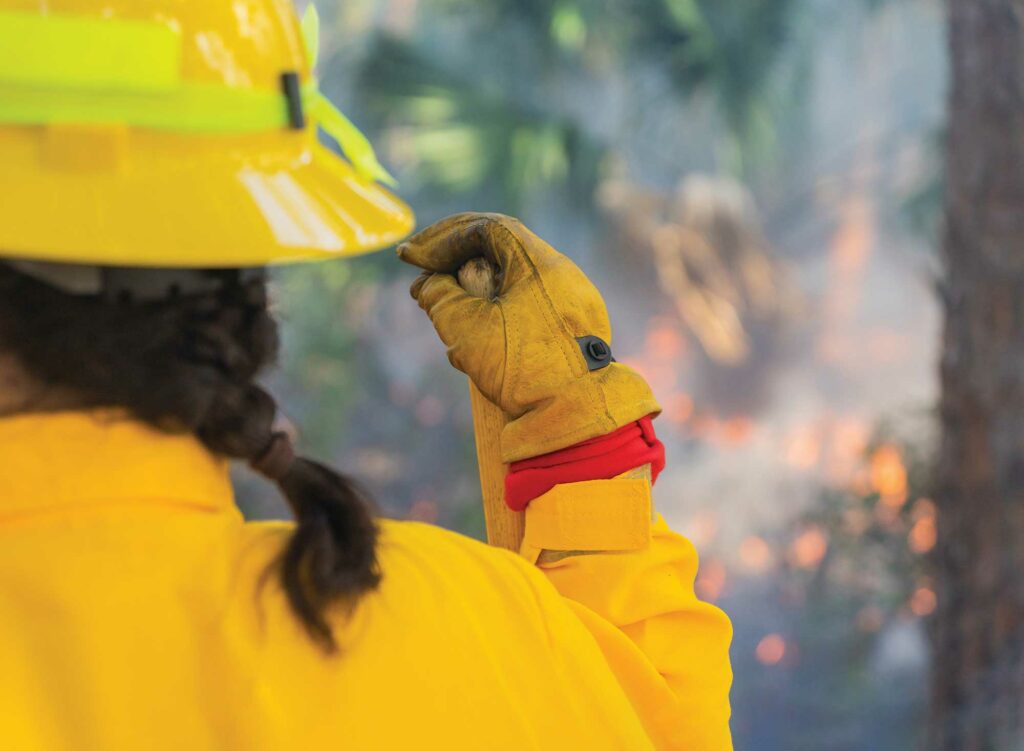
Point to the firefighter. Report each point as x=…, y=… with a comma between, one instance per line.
x=155, y=158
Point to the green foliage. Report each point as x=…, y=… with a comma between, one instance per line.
x=464, y=135
x=733, y=50
x=564, y=27
x=568, y=27
x=467, y=126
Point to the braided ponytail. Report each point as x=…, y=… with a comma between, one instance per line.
x=190, y=363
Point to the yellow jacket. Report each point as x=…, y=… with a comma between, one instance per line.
x=135, y=614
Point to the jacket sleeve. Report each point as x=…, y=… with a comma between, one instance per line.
x=668, y=650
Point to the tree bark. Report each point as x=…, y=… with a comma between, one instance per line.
x=977, y=697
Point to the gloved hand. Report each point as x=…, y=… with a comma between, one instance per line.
x=541, y=349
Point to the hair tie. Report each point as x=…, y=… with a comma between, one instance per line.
x=276, y=459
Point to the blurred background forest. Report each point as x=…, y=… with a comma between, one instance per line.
x=755, y=185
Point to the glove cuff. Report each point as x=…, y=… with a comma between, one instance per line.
x=584, y=518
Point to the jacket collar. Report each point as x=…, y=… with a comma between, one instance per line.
x=61, y=460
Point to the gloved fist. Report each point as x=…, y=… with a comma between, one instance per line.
x=541, y=349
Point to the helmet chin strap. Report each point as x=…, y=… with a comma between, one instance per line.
x=129, y=284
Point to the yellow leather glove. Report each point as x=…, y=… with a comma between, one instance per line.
x=541, y=349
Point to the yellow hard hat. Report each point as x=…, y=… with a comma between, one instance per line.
x=177, y=134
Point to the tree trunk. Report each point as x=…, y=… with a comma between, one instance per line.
x=978, y=630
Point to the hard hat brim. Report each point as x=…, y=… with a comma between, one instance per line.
x=121, y=197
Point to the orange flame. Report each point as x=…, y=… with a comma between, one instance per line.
x=922, y=535
x=889, y=476
x=923, y=602
x=737, y=431
x=809, y=547
x=771, y=649
x=664, y=341
x=679, y=408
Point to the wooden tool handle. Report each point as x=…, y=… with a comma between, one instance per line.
x=504, y=526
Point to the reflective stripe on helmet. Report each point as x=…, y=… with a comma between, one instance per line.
x=66, y=69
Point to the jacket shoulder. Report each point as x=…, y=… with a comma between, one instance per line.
x=457, y=567
x=429, y=574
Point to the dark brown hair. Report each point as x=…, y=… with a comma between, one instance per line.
x=188, y=362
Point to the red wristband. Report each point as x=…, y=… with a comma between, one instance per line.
x=600, y=458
